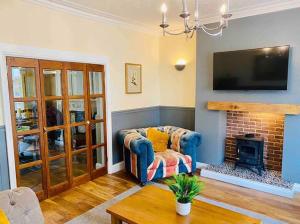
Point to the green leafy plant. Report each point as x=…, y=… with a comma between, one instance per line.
x=184, y=187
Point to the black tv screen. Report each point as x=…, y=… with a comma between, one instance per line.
x=255, y=69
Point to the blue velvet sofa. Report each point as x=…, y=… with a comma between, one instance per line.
x=146, y=165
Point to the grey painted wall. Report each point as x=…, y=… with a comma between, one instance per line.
x=136, y=118
x=146, y=117
x=4, y=175
x=178, y=116
x=267, y=30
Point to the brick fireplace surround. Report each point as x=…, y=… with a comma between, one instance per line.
x=267, y=125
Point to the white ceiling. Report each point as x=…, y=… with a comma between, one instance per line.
x=146, y=13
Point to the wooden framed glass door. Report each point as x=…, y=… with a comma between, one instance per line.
x=97, y=117
x=27, y=125
x=68, y=126
x=78, y=126
x=55, y=130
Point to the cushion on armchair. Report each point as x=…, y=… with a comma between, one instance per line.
x=3, y=218
x=158, y=139
x=169, y=161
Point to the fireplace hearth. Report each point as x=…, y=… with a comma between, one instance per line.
x=250, y=153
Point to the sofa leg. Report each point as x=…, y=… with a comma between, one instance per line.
x=143, y=184
x=191, y=174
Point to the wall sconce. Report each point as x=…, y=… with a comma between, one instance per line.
x=180, y=64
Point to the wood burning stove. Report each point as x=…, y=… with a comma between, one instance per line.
x=250, y=153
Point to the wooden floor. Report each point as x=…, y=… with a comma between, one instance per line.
x=69, y=204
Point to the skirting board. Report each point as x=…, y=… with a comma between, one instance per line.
x=117, y=167
x=201, y=165
x=296, y=188
x=248, y=183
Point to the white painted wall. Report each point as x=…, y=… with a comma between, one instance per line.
x=25, y=23
x=38, y=27
x=177, y=88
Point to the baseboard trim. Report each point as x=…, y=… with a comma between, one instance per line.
x=201, y=165
x=280, y=191
x=296, y=188
x=117, y=167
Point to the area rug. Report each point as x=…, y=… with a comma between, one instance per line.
x=98, y=214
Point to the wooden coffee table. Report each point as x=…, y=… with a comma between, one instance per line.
x=154, y=205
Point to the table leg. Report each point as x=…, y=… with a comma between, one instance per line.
x=115, y=220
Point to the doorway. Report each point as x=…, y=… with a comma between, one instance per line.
x=59, y=123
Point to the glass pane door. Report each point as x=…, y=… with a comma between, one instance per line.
x=97, y=119
x=78, y=122
x=59, y=123
x=54, y=125
x=23, y=78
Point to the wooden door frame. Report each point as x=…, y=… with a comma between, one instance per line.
x=55, y=55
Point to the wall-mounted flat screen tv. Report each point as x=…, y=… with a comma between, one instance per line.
x=254, y=69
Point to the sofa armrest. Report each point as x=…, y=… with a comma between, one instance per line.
x=21, y=206
x=139, y=145
x=190, y=140
x=190, y=144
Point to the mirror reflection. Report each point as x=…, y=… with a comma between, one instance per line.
x=79, y=163
x=58, y=171
x=98, y=158
x=29, y=148
x=76, y=108
x=56, y=142
x=78, y=137
x=26, y=115
x=75, y=83
x=52, y=82
x=97, y=108
x=32, y=177
x=23, y=82
x=97, y=133
x=95, y=82
x=54, y=113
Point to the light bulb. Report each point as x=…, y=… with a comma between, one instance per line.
x=223, y=9
x=164, y=8
x=181, y=62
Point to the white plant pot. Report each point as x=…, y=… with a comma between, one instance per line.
x=183, y=209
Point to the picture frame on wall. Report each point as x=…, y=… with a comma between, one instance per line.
x=133, y=78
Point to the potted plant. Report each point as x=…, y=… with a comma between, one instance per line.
x=185, y=189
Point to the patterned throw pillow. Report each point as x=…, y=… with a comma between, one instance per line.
x=3, y=218
x=158, y=139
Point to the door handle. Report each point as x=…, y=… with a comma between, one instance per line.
x=88, y=122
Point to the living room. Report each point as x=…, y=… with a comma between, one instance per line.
x=90, y=88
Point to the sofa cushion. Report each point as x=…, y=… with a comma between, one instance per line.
x=21, y=206
x=3, y=218
x=172, y=158
x=169, y=161
x=158, y=139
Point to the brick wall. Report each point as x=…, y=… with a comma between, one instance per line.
x=267, y=125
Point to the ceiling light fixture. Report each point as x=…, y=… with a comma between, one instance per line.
x=189, y=30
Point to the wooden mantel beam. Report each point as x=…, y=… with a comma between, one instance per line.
x=291, y=109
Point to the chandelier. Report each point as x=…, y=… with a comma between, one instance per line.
x=189, y=30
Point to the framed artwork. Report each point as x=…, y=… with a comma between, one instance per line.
x=133, y=78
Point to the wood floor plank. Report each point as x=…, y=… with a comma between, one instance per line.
x=76, y=201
